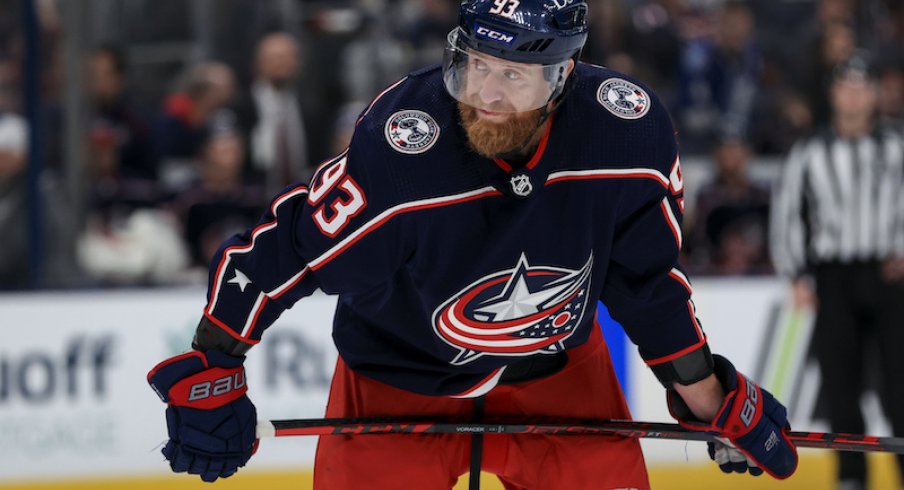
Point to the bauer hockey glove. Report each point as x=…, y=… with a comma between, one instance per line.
x=210, y=420
x=750, y=426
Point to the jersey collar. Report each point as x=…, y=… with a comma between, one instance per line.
x=538, y=153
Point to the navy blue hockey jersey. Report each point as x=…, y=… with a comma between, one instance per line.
x=449, y=265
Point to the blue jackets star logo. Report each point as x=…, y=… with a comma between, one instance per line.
x=240, y=279
x=516, y=312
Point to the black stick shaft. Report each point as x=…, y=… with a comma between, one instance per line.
x=623, y=428
x=476, y=447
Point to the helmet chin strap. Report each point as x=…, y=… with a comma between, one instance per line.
x=521, y=151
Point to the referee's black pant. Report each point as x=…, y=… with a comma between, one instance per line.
x=854, y=304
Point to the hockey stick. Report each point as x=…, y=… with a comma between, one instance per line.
x=624, y=428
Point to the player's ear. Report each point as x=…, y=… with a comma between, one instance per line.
x=569, y=68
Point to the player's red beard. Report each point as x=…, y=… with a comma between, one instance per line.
x=492, y=139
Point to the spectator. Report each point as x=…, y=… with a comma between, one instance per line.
x=118, y=137
x=783, y=117
x=376, y=59
x=14, y=271
x=9, y=86
x=825, y=14
x=220, y=203
x=423, y=34
x=835, y=43
x=727, y=232
x=719, y=80
x=271, y=112
x=838, y=220
x=661, y=27
x=891, y=93
x=179, y=132
x=890, y=30
x=58, y=263
x=611, y=39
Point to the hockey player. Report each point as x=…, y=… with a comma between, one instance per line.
x=481, y=210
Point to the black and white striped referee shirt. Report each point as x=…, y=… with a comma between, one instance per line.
x=840, y=200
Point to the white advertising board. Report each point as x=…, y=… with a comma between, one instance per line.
x=74, y=400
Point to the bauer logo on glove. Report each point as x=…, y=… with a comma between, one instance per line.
x=218, y=387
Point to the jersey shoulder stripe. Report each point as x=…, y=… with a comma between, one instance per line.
x=385, y=216
x=610, y=173
x=226, y=258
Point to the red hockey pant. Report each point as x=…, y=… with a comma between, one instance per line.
x=585, y=388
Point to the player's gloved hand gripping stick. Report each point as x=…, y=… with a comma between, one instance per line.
x=751, y=427
x=209, y=418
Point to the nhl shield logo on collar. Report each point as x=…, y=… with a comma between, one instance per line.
x=521, y=185
x=623, y=98
x=411, y=131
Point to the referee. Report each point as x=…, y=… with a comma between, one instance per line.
x=838, y=220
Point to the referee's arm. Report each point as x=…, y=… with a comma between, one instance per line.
x=788, y=232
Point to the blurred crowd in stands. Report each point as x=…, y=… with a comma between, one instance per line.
x=196, y=113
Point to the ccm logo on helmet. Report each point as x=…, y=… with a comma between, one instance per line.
x=499, y=36
x=216, y=387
